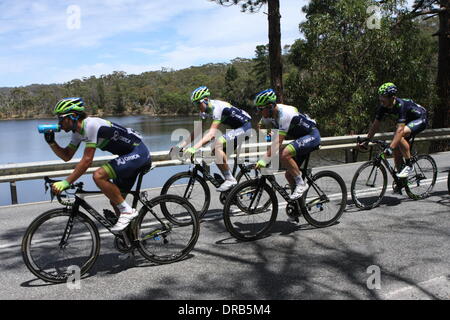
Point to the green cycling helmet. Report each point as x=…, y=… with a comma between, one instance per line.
x=68, y=105
x=265, y=97
x=200, y=93
x=387, y=89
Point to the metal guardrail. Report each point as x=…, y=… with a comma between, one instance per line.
x=58, y=168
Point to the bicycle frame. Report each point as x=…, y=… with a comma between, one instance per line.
x=80, y=202
x=381, y=158
x=306, y=174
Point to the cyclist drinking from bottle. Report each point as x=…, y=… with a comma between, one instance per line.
x=104, y=135
x=298, y=127
x=411, y=120
x=221, y=113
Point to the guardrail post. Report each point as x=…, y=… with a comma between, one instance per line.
x=13, y=188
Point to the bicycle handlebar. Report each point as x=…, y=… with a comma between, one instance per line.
x=48, y=184
x=381, y=143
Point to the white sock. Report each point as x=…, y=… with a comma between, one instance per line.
x=124, y=207
x=298, y=180
x=228, y=176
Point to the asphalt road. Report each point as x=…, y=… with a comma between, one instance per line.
x=406, y=240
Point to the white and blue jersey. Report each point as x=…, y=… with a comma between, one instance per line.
x=124, y=142
x=297, y=126
x=225, y=113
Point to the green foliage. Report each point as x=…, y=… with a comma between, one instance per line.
x=342, y=62
x=332, y=73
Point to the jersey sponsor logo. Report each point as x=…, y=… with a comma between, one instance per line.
x=134, y=132
x=306, y=141
x=124, y=160
x=117, y=136
x=236, y=115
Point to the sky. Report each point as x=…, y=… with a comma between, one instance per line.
x=48, y=41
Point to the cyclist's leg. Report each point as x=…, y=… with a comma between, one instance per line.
x=110, y=190
x=411, y=129
x=220, y=155
x=222, y=145
x=126, y=168
x=398, y=159
x=123, y=171
x=295, y=153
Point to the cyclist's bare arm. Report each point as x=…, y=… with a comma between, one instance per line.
x=192, y=138
x=65, y=154
x=207, y=137
x=278, y=143
x=374, y=128
x=83, y=165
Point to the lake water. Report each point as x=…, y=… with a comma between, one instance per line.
x=20, y=142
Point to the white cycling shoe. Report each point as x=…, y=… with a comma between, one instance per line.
x=124, y=221
x=405, y=172
x=298, y=191
x=227, y=185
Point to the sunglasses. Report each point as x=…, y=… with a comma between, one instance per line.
x=197, y=103
x=61, y=118
x=261, y=108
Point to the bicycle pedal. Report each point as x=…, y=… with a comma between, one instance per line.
x=293, y=219
x=126, y=256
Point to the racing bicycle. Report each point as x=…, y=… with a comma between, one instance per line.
x=370, y=181
x=252, y=217
x=65, y=238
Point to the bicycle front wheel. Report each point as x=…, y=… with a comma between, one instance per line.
x=162, y=240
x=52, y=251
x=245, y=175
x=448, y=182
x=369, y=185
x=422, y=178
x=192, y=188
x=325, y=200
x=250, y=210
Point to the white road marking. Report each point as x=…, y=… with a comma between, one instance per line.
x=417, y=288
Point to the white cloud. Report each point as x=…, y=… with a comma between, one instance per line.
x=174, y=34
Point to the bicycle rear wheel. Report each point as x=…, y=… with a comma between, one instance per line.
x=325, y=200
x=369, y=185
x=50, y=258
x=245, y=219
x=192, y=188
x=163, y=240
x=423, y=177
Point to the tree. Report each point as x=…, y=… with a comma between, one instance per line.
x=440, y=8
x=275, y=60
x=261, y=69
x=119, y=105
x=342, y=62
x=230, y=77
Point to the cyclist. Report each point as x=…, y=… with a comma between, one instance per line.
x=411, y=120
x=105, y=135
x=221, y=113
x=290, y=122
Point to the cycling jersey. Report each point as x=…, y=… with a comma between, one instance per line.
x=223, y=112
x=106, y=135
x=124, y=142
x=406, y=111
x=290, y=122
